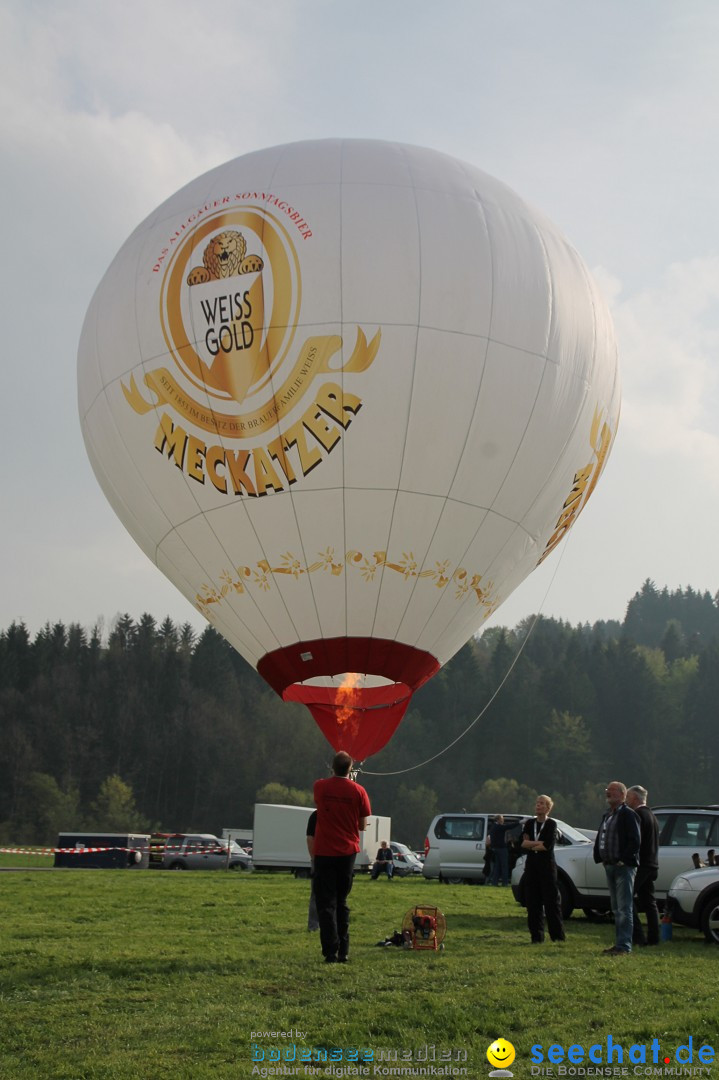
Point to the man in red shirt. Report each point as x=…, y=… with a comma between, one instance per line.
x=342, y=811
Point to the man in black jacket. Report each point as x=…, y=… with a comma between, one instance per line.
x=617, y=848
x=383, y=863
x=647, y=869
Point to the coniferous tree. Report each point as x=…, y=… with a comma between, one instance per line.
x=194, y=732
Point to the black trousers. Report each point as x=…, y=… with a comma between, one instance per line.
x=542, y=895
x=644, y=901
x=385, y=867
x=333, y=884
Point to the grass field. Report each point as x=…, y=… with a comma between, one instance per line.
x=140, y=974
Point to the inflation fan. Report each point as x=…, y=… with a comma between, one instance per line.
x=424, y=928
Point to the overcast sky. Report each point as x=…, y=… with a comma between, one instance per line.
x=605, y=116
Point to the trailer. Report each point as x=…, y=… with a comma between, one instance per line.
x=243, y=837
x=103, y=850
x=378, y=829
x=280, y=839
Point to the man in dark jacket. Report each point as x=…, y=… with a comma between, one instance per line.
x=617, y=847
x=384, y=862
x=497, y=844
x=647, y=869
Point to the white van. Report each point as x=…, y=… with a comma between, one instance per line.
x=456, y=845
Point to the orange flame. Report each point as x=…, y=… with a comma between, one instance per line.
x=347, y=697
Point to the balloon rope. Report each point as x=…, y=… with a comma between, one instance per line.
x=411, y=768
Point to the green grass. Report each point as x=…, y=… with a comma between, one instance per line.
x=132, y=974
x=19, y=862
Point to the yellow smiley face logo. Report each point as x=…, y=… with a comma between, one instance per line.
x=500, y=1054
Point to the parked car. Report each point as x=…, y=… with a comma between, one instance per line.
x=239, y=858
x=455, y=846
x=198, y=851
x=243, y=837
x=405, y=861
x=694, y=901
x=683, y=831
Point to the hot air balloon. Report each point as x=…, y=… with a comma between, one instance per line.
x=346, y=395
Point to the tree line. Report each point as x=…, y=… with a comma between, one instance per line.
x=151, y=726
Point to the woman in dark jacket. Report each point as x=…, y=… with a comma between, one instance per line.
x=540, y=874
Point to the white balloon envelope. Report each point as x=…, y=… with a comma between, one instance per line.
x=346, y=395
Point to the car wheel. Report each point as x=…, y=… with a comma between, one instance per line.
x=453, y=880
x=177, y=866
x=710, y=920
x=565, y=899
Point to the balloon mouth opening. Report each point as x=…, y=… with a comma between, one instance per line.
x=349, y=699
x=356, y=712
x=358, y=719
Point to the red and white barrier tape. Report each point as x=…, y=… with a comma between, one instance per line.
x=191, y=849
x=62, y=850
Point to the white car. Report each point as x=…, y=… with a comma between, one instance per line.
x=683, y=832
x=405, y=861
x=694, y=901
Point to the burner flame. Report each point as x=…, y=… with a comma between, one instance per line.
x=348, y=697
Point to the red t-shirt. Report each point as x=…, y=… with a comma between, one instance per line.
x=340, y=805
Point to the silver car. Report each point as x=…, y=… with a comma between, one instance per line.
x=694, y=901
x=204, y=851
x=456, y=844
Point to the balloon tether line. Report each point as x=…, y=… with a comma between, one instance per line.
x=520, y=650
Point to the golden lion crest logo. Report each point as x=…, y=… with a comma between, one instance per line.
x=224, y=257
x=237, y=370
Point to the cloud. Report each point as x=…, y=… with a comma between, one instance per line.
x=606, y=119
x=668, y=337
x=134, y=100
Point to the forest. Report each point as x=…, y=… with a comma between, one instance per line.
x=150, y=726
